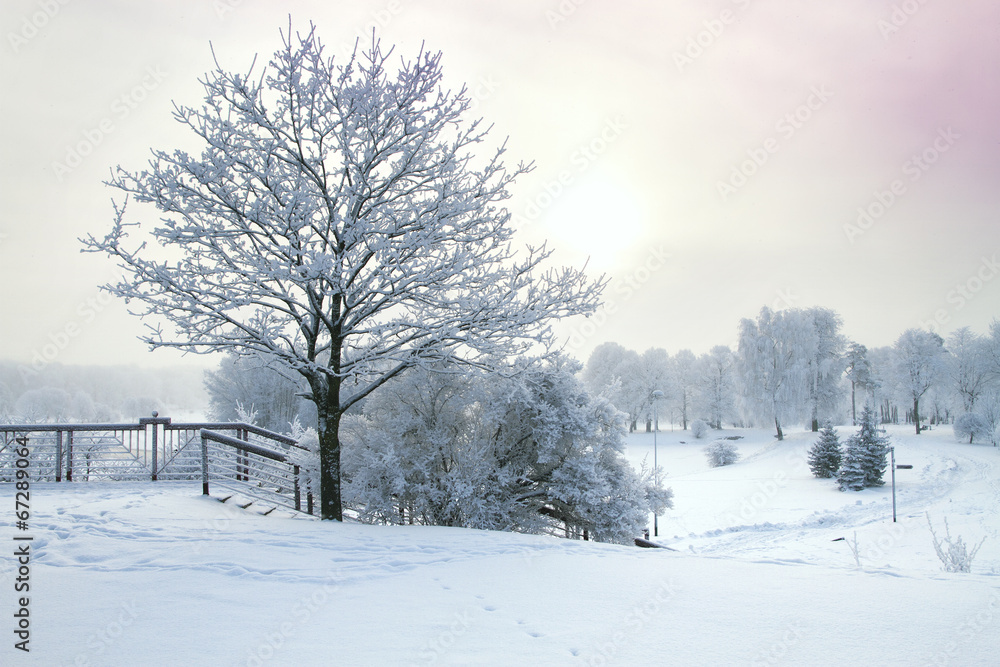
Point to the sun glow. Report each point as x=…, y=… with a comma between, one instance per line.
x=597, y=218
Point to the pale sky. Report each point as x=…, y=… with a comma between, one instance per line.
x=709, y=157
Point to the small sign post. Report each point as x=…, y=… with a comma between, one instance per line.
x=901, y=466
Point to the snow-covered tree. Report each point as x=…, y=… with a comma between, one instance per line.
x=970, y=426
x=656, y=376
x=874, y=448
x=685, y=376
x=627, y=378
x=534, y=453
x=774, y=360
x=886, y=388
x=45, y=404
x=851, y=476
x=826, y=367
x=825, y=454
x=717, y=386
x=858, y=369
x=271, y=391
x=919, y=363
x=989, y=409
x=968, y=366
x=865, y=459
x=337, y=220
x=82, y=407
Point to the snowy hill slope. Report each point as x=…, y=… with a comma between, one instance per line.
x=154, y=574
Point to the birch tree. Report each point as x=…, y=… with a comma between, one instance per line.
x=773, y=364
x=919, y=363
x=968, y=367
x=336, y=220
x=859, y=372
x=716, y=384
x=826, y=367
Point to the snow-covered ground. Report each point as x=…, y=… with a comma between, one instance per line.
x=155, y=574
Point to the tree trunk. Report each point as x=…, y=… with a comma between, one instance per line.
x=854, y=408
x=916, y=414
x=326, y=395
x=329, y=461
x=777, y=425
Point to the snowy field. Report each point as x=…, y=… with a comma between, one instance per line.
x=155, y=574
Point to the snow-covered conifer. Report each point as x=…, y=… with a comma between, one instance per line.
x=874, y=448
x=852, y=475
x=825, y=455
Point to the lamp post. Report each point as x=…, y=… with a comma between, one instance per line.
x=894, y=467
x=656, y=395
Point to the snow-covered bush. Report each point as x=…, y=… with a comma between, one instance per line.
x=699, y=429
x=721, y=453
x=954, y=555
x=825, y=455
x=970, y=426
x=533, y=453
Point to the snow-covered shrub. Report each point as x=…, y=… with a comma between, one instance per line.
x=970, y=426
x=721, y=453
x=534, y=453
x=825, y=455
x=699, y=429
x=954, y=555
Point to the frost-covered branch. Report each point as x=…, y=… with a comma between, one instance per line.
x=336, y=220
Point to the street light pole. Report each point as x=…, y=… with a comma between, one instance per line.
x=901, y=466
x=657, y=395
x=892, y=464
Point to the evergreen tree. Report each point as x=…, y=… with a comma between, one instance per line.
x=874, y=448
x=852, y=475
x=825, y=455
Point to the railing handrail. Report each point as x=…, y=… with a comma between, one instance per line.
x=14, y=428
x=271, y=482
x=236, y=426
x=165, y=422
x=246, y=447
x=243, y=445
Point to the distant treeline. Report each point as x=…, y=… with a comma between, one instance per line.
x=99, y=393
